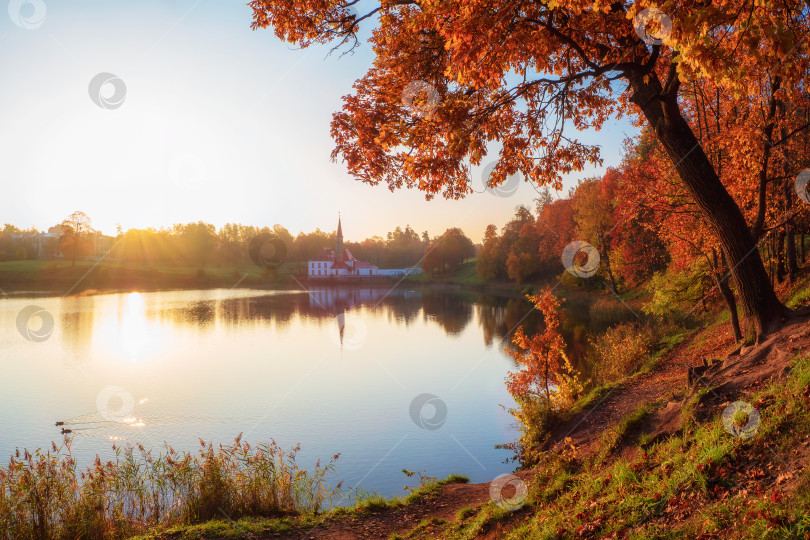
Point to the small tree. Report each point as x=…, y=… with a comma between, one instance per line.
x=75, y=238
x=541, y=355
x=541, y=359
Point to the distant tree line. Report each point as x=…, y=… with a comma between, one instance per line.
x=201, y=244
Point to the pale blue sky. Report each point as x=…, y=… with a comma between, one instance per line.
x=219, y=124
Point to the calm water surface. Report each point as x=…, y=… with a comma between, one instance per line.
x=335, y=370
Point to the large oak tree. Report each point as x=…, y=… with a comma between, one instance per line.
x=450, y=76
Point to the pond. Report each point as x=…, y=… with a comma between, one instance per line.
x=390, y=379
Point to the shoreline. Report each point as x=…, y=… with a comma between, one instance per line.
x=38, y=279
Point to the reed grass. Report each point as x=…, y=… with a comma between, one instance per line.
x=44, y=494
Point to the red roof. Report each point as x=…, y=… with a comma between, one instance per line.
x=339, y=265
x=363, y=264
x=325, y=254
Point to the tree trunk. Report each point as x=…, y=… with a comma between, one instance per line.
x=762, y=309
x=728, y=295
x=605, y=255
x=790, y=234
x=779, y=249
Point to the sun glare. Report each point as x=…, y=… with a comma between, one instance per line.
x=127, y=333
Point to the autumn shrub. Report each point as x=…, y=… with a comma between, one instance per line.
x=621, y=350
x=675, y=293
x=546, y=382
x=46, y=495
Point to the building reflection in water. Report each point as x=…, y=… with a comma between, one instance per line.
x=335, y=301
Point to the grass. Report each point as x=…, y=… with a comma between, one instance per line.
x=699, y=481
x=363, y=503
x=45, y=495
x=614, y=436
x=464, y=274
x=88, y=275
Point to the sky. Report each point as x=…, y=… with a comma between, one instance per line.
x=201, y=119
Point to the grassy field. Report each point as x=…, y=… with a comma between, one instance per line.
x=464, y=275
x=86, y=275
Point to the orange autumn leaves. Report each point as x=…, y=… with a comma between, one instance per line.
x=540, y=356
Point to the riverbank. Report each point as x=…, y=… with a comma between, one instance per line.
x=721, y=454
x=61, y=278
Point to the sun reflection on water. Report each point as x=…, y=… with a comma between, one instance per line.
x=127, y=333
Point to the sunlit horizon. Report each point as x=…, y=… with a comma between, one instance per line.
x=219, y=124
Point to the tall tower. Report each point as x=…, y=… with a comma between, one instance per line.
x=339, y=247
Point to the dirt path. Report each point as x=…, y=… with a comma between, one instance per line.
x=666, y=378
x=444, y=505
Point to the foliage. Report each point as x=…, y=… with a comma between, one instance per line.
x=717, y=90
x=46, y=495
x=75, y=238
x=677, y=292
x=448, y=252
x=622, y=349
x=543, y=364
x=540, y=356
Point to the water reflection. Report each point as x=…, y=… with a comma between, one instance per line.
x=334, y=368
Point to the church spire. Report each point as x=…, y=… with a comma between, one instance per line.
x=339, y=247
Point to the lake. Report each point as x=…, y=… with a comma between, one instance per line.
x=390, y=379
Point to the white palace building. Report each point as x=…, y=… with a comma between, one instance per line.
x=339, y=263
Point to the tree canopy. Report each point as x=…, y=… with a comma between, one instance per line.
x=450, y=77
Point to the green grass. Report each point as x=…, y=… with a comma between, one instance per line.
x=701, y=470
x=363, y=503
x=92, y=276
x=465, y=274
x=615, y=435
